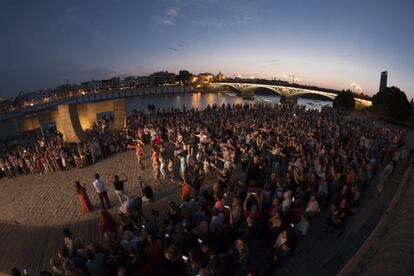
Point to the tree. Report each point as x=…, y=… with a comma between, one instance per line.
x=395, y=100
x=184, y=76
x=345, y=99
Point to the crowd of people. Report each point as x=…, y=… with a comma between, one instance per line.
x=252, y=176
x=50, y=153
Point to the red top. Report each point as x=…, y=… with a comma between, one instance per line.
x=157, y=140
x=139, y=150
x=254, y=215
x=295, y=215
x=107, y=227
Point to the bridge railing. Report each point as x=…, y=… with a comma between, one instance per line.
x=101, y=96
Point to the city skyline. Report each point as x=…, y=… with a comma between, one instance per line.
x=324, y=43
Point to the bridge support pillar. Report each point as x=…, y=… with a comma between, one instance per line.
x=67, y=122
x=247, y=94
x=88, y=113
x=28, y=123
x=119, y=114
x=288, y=100
x=36, y=120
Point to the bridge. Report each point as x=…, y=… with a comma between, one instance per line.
x=288, y=94
x=73, y=116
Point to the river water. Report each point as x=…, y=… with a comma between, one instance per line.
x=201, y=100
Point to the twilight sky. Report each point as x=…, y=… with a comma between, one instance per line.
x=331, y=43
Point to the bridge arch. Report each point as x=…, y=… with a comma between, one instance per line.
x=254, y=89
x=247, y=88
x=232, y=88
x=327, y=96
x=280, y=90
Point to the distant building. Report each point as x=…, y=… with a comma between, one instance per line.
x=383, y=82
x=162, y=77
x=3, y=104
x=219, y=77
x=91, y=86
x=128, y=82
x=115, y=83
x=142, y=80
x=205, y=77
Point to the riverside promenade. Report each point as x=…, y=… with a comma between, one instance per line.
x=35, y=209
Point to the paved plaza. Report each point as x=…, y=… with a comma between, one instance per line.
x=51, y=199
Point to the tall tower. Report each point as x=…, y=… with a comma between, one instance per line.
x=383, y=82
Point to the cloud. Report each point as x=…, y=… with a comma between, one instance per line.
x=225, y=13
x=344, y=56
x=355, y=87
x=227, y=22
x=175, y=49
x=168, y=19
x=172, y=12
x=270, y=62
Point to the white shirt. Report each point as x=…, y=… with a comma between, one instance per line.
x=99, y=186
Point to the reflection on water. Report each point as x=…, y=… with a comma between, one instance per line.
x=201, y=100
x=313, y=104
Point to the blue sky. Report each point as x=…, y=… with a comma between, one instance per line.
x=330, y=43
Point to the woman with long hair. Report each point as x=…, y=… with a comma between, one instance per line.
x=83, y=198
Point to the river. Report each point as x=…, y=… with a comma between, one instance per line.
x=201, y=100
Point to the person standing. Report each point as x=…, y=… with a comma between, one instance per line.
x=171, y=169
x=83, y=198
x=155, y=164
x=162, y=166
x=119, y=188
x=101, y=191
x=139, y=152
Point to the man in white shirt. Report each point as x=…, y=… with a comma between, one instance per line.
x=100, y=188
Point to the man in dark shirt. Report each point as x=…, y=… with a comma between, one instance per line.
x=119, y=188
